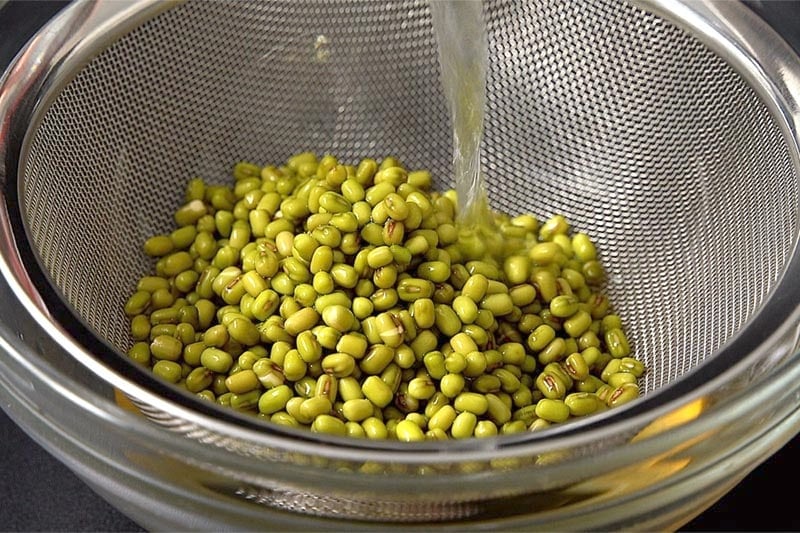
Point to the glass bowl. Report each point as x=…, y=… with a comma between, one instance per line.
x=171, y=464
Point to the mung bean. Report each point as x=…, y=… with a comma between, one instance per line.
x=349, y=299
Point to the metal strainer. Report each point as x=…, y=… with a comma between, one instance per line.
x=656, y=130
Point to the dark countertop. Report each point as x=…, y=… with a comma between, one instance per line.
x=38, y=493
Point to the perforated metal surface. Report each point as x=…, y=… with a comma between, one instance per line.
x=634, y=130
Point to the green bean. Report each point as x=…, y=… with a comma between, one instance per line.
x=551, y=385
x=451, y=384
x=269, y=373
x=166, y=347
x=617, y=343
x=455, y=363
x=592, y=356
x=589, y=384
x=294, y=368
x=554, y=351
x=485, y=428
x=282, y=418
x=140, y=352
x=565, y=243
x=632, y=366
x=564, y=306
x=541, y=337
x=377, y=359
x=582, y=403
x=244, y=332
x=465, y=308
x=377, y=391
x=351, y=300
x=517, y=269
x=622, y=394
x=339, y=317
x=443, y=418
x=578, y=324
x=216, y=360
x=357, y=410
x=305, y=385
x=191, y=353
x=575, y=365
x=464, y=425
x=344, y=276
x=161, y=298
x=435, y=271
x=248, y=358
x=185, y=333
x=190, y=212
x=412, y=289
x=486, y=320
x=498, y=411
x=583, y=247
x=619, y=378
x=323, y=283
x=167, y=370
x=339, y=365
x=350, y=389
x=390, y=171
x=479, y=335
x=137, y=303
x=158, y=245
x=352, y=190
x=384, y=299
x=552, y=410
x=434, y=362
x=557, y=370
x=421, y=388
x=375, y=429
x=278, y=351
x=486, y=382
x=308, y=347
x=523, y=395
x=463, y=343
x=305, y=295
x=216, y=336
x=408, y=431
x=302, y=320
x=474, y=364
x=199, y=379
x=140, y=327
x=245, y=400
x=498, y=304
x=423, y=312
x=446, y=320
x=555, y=225
x=392, y=376
x=508, y=381
x=470, y=401
x=315, y=406
x=274, y=400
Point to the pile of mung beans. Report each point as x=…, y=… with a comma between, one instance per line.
x=348, y=299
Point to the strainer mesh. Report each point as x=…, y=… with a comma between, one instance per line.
x=633, y=129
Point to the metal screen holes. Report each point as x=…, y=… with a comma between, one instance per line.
x=612, y=116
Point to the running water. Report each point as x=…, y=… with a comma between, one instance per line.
x=460, y=32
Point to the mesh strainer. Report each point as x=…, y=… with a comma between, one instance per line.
x=665, y=131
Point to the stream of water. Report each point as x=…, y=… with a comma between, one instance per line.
x=460, y=31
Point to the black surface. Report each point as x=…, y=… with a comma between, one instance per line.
x=38, y=493
x=41, y=494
